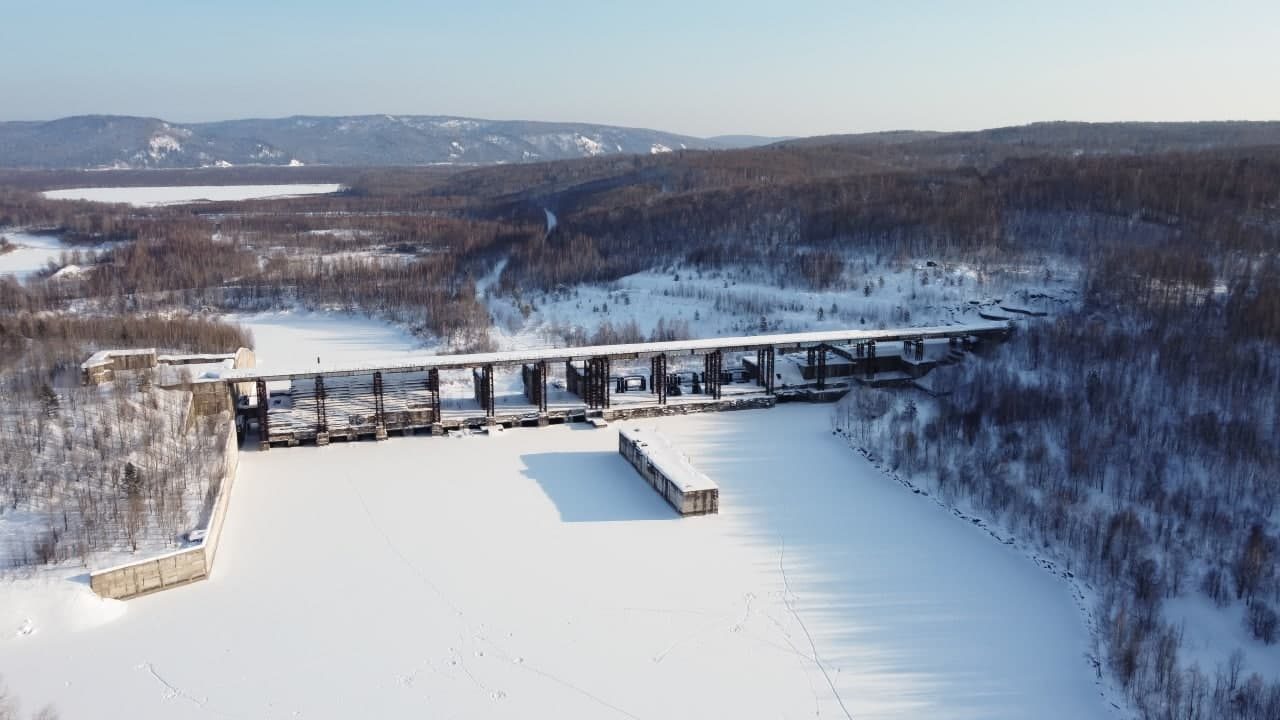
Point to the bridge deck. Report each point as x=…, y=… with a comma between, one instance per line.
x=782, y=343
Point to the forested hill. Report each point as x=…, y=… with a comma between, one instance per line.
x=1072, y=137
x=805, y=204
x=104, y=141
x=818, y=157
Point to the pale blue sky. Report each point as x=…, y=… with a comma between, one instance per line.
x=703, y=68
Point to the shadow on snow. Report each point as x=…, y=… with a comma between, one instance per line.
x=594, y=487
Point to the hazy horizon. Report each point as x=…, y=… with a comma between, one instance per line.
x=714, y=69
x=636, y=127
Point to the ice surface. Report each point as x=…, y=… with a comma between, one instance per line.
x=32, y=253
x=150, y=196
x=292, y=339
x=529, y=575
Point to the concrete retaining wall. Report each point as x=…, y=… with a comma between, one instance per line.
x=648, y=411
x=126, y=581
x=181, y=566
x=210, y=399
x=231, y=459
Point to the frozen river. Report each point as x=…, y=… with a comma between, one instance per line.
x=178, y=194
x=297, y=338
x=534, y=574
x=32, y=253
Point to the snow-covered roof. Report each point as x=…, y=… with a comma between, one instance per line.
x=628, y=350
x=174, y=374
x=102, y=357
x=668, y=459
x=195, y=357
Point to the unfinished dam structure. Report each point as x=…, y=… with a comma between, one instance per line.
x=441, y=393
x=533, y=387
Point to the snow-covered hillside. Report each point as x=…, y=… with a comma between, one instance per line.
x=99, y=141
x=737, y=301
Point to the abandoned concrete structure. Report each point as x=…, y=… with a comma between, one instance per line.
x=605, y=381
x=669, y=471
x=321, y=404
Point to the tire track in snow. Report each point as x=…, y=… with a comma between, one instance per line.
x=520, y=662
x=789, y=600
x=172, y=691
x=495, y=694
x=462, y=628
x=747, y=599
x=700, y=631
x=404, y=559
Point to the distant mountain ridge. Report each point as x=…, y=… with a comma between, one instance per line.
x=1072, y=137
x=114, y=141
x=126, y=142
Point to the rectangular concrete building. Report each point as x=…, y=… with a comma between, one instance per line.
x=669, y=471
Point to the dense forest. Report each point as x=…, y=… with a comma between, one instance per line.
x=1164, y=211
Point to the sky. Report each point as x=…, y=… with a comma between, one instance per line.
x=695, y=67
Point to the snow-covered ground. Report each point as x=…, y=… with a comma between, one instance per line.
x=292, y=339
x=31, y=254
x=533, y=573
x=1211, y=634
x=77, y=463
x=296, y=338
x=736, y=302
x=175, y=195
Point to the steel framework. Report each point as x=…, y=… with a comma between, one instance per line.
x=658, y=377
x=597, y=390
x=433, y=388
x=264, y=407
x=322, y=420
x=764, y=369
x=379, y=408
x=712, y=366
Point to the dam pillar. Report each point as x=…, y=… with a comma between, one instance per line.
x=264, y=407
x=322, y=419
x=379, y=408
x=658, y=377
x=433, y=389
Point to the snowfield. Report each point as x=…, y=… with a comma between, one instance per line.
x=153, y=196
x=293, y=338
x=300, y=338
x=534, y=574
x=31, y=253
